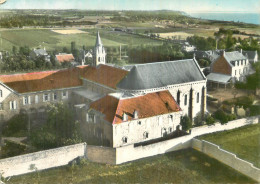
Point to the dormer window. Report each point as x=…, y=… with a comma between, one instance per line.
x=146, y=135
x=237, y=63
x=125, y=117
x=135, y=114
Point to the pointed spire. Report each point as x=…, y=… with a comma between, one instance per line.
x=98, y=41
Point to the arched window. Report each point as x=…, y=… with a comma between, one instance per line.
x=98, y=59
x=185, y=99
x=198, y=97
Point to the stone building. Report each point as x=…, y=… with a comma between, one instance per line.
x=116, y=106
x=35, y=53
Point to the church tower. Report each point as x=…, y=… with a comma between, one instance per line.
x=99, y=53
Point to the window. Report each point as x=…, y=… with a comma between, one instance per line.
x=1, y=93
x=185, y=100
x=64, y=94
x=198, y=97
x=26, y=100
x=237, y=63
x=45, y=97
x=91, y=118
x=242, y=62
x=124, y=139
x=1, y=106
x=178, y=97
x=235, y=72
x=146, y=135
x=170, y=129
x=139, y=123
x=36, y=98
x=13, y=105
x=55, y=97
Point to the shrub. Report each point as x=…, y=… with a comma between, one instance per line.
x=221, y=116
x=186, y=123
x=210, y=120
x=254, y=110
x=11, y=149
x=198, y=120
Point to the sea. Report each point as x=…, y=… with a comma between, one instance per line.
x=251, y=18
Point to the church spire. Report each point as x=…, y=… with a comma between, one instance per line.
x=99, y=53
x=98, y=40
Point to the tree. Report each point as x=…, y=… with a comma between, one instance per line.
x=60, y=129
x=186, y=123
x=73, y=46
x=221, y=116
x=14, y=50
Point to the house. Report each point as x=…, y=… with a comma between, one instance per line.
x=188, y=48
x=35, y=53
x=86, y=57
x=115, y=106
x=230, y=66
x=65, y=58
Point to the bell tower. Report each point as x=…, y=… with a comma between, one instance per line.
x=99, y=53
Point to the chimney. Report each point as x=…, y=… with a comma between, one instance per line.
x=135, y=114
x=223, y=53
x=241, y=51
x=125, y=117
x=194, y=55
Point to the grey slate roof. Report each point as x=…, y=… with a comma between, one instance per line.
x=250, y=54
x=161, y=74
x=234, y=56
x=216, y=77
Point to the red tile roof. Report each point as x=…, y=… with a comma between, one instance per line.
x=149, y=105
x=40, y=81
x=65, y=58
x=104, y=74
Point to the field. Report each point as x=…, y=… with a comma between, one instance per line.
x=186, y=166
x=68, y=31
x=178, y=35
x=51, y=40
x=244, y=142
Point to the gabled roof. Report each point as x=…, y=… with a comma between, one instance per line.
x=233, y=56
x=149, y=105
x=105, y=75
x=161, y=74
x=65, y=58
x=41, y=81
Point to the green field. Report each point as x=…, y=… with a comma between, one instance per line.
x=51, y=40
x=244, y=142
x=186, y=166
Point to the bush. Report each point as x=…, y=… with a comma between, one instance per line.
x=186, y=123
x=16, y=126
x=221, y=116
x=198, y=120
x=11, y=149
x=254, y=110
x=210, y=120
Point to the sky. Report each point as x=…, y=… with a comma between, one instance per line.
x=179, y=5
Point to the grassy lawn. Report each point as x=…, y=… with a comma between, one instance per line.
x=51, y=40
x=185, y=166
x=244, y=142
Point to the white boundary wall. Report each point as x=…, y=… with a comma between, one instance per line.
x=227, y=158
x=41, y=160
x=130, y=153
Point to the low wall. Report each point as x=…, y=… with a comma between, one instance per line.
x=101, y=154
x=41, y=160
x=227, y=158
x=130, y=153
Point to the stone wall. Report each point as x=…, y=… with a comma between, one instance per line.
x=41, y=160
x=227, y=158
x=101, y=154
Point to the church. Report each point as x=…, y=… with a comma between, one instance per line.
x=115, y=106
